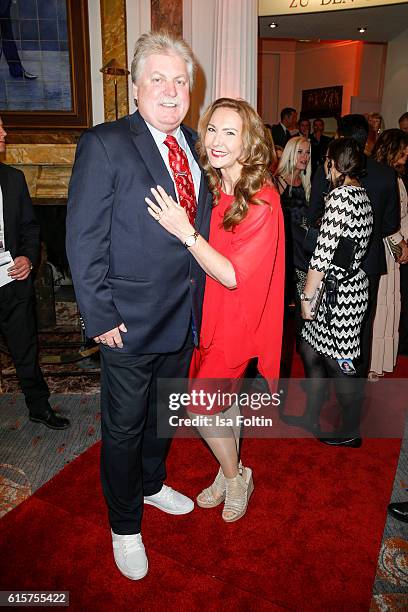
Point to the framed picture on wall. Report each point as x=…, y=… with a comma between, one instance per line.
x=44, y=64
x=322, y=102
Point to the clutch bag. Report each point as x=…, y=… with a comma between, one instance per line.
x=394, y=249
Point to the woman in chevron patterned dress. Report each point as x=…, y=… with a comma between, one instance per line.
x=333, y=334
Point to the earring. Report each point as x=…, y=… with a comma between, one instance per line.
x=329, y=165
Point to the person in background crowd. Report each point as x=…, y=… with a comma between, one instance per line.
x=319, y=144
x=304, y=128
x=244, y=262
x=292, y=178
x=20, y=235
x=391, y=149
x=331, y=336
x=403, y=122
x=375, y=127
x=380, y=182
x=282, y=132
x=138, y=289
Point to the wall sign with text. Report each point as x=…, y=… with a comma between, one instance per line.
x=293, y=7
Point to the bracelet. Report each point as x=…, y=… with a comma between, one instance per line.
x=305, y=298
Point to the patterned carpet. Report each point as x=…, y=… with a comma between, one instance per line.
x=31, y=454
x=390, y=591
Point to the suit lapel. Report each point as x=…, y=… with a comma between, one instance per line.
x=202, y=196
x=150, y=154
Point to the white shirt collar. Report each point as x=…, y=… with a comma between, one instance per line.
x=160, y=137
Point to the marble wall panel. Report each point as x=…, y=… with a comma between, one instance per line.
x=168, y=14
x=40, y=154
x=114, y=46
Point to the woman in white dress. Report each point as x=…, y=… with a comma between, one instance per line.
x=391, y=149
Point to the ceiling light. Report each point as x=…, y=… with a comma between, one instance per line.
x=362, y=30
x=273, y=24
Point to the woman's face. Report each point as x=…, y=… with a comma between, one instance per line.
x=303, y=155
x=375, y=123
x=223, y=140
x=402, y=158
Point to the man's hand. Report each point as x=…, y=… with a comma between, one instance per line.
x=404, y=257
x=21, y=269
x=112, y=337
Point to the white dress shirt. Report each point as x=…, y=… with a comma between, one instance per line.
x=160, y=137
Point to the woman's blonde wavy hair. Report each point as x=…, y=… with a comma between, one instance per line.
x=257, y=156
x=287, y=164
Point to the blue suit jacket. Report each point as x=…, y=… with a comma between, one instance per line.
x=125, y=266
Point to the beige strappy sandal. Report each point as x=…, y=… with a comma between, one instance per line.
x=238, y=492
x=213, y=495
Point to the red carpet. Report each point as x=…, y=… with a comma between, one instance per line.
x=309, y=541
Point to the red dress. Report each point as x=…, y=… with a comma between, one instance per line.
x=245, y=322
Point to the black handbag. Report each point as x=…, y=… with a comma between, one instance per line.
x=310, y=240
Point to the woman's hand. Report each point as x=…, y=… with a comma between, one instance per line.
x=307, y=312
x=169, y=214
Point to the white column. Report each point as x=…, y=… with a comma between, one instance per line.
x=235, y=49
x=95, y=45
x=138, y=21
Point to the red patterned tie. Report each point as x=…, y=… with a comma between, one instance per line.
x=182, y=177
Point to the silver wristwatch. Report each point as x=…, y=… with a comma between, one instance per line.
x=305, y=298
x=191, y=240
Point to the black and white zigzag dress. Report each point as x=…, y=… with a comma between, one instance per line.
x=348, y=213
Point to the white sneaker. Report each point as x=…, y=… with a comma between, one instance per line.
x=170, y=501
x=130, y=555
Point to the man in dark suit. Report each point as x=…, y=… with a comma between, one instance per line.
x=20, y=235
x=319, y=143
x=380, y=183
x=281, y=131
x=139, y=290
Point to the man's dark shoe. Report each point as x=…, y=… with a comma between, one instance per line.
x=399, y=511
x=18, y=72
x=351, y=442
x=50, y=419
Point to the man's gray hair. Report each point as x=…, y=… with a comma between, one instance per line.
x=164, y=43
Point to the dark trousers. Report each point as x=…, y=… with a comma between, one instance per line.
x=403, y=327
x=133, y=456
x=18, y=326
x=362, y=365
x=7, y=36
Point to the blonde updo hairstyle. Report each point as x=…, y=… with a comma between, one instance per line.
x=257, y=156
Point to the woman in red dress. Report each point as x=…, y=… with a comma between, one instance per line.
x=244, y=263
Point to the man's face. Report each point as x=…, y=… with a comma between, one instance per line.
x=318, y=126
x=3, y=135
x=162, y=91
x=290, y=120
x=404, y=125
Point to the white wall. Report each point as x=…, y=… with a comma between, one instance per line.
x=395, y=98
x=358, y=67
